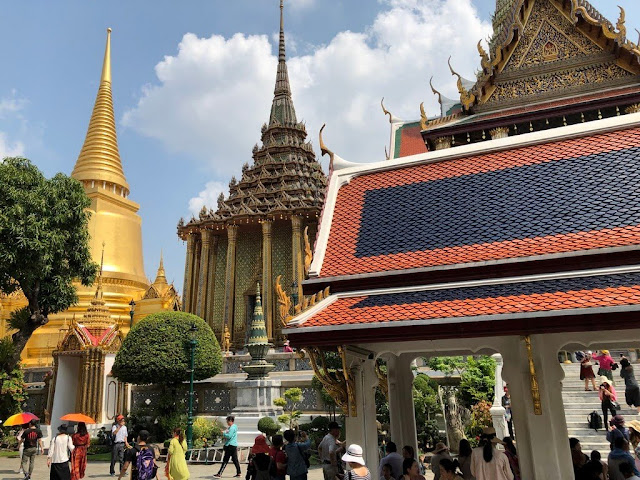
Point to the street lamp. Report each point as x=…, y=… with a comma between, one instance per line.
x=132, y=304
x=193, y=344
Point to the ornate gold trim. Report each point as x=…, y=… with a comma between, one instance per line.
x=383, y=381
x=535, y=389
x=467, y=99
x=308, y=253
x=284, y=303
x=635, y=108
x=339, y=385
x=423, y=117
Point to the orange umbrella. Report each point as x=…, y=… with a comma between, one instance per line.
x=77, y=417
x=20, y=419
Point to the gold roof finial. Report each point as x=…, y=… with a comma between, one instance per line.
x=386, y=112
x=485, y=61
x=98, y=294
x=423, y=117
x=466, y=98
x=435, y=92
x=99, y=159
x=161, y=276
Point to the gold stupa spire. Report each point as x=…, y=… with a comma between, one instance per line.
x=99, y=160
x=98, y=316
x=161, y=276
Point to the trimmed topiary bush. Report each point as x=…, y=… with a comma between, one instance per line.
x=157, y=350
x=268, y=426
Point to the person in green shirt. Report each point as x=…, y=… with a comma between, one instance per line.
x=230, y=436
x=176, y=459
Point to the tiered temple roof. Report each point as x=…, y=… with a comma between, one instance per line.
x=285, y=177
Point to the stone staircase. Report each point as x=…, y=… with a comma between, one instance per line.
x=578, y=404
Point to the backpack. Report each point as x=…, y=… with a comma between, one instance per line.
x=595, y=420
x=145, y=464
x=273, y=468
x=306, y=455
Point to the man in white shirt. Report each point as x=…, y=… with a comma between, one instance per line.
x=394, y=459
x=119, y=435
x=327, y=452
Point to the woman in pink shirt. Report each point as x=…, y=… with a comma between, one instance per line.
x=607, y=394
x=606, y=362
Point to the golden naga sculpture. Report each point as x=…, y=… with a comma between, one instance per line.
x=284, y=303
x=466, y=98
x=338, y=384
x=386, y=112
x=620, y=35
x=308, y=253
x=423, y=117
x=535, y=389
x=485, y=61
x=383, y=381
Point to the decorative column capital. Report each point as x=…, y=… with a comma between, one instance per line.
x=442, y=143
x=635, y=108
x=232, y=233
x=500, y=132
x=206, y=236
x=296, y=221
x=191, y=241
x=267, y=227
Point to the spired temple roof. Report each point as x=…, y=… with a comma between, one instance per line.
x=285, y=177
x=99, y=159
x=522, y=213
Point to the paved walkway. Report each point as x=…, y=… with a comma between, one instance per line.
x=9, y=466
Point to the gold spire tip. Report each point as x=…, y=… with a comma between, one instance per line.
x=108, y=29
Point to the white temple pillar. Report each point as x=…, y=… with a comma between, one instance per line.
x=497, y=410
x=543, y=441
x=402, y=414
x=362, y=429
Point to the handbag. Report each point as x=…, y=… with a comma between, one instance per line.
x=616, y=405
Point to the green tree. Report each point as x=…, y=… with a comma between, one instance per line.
x=13, y=391
x=157, y=351
x=268, y=426
x=289, y=402
x=44, y=245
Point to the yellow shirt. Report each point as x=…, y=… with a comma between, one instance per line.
x=177, y=463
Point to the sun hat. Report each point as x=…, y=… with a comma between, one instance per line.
x=617, y=420
x=353, y=455
x=634, y=425
x=119, y=417
x=260, y=445
x=604, y=379
x=490, y=433
x=605, y=352
x=440, y=447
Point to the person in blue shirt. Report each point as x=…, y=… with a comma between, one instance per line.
x=297, y=455
x=230, y=436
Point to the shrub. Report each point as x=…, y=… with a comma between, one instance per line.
x=480, y=418
x=98, y=449
x=268, y=426
x=206, y=431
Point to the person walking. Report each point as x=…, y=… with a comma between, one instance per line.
x=81, y=442
x=394, y=459
x=327, y=451
x=58, y=458
x=411, y=470
x=631, y=390
x=464, y=459
x=357, y=468
x=176, y=468
x=605, y=362
x=21, y=445
x=142, y=459
x=508, y=413
x=297, y=460
x=586, y=371
x=230, y=448
x=440, y=453
x=279, y=457
x=488, y=463
x=31, y=440
x=608, y=396
x=119, y=434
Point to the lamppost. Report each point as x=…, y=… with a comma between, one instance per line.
x=132, y=304
x=193, y=344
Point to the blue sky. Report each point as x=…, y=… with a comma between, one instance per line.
x=193, y=80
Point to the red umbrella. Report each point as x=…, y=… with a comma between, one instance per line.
x=78, y=417
x=20, y=419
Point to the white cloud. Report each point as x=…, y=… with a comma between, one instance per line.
x=208, y=197
x=11, y=104
x=10, y=149
x=215, y=93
